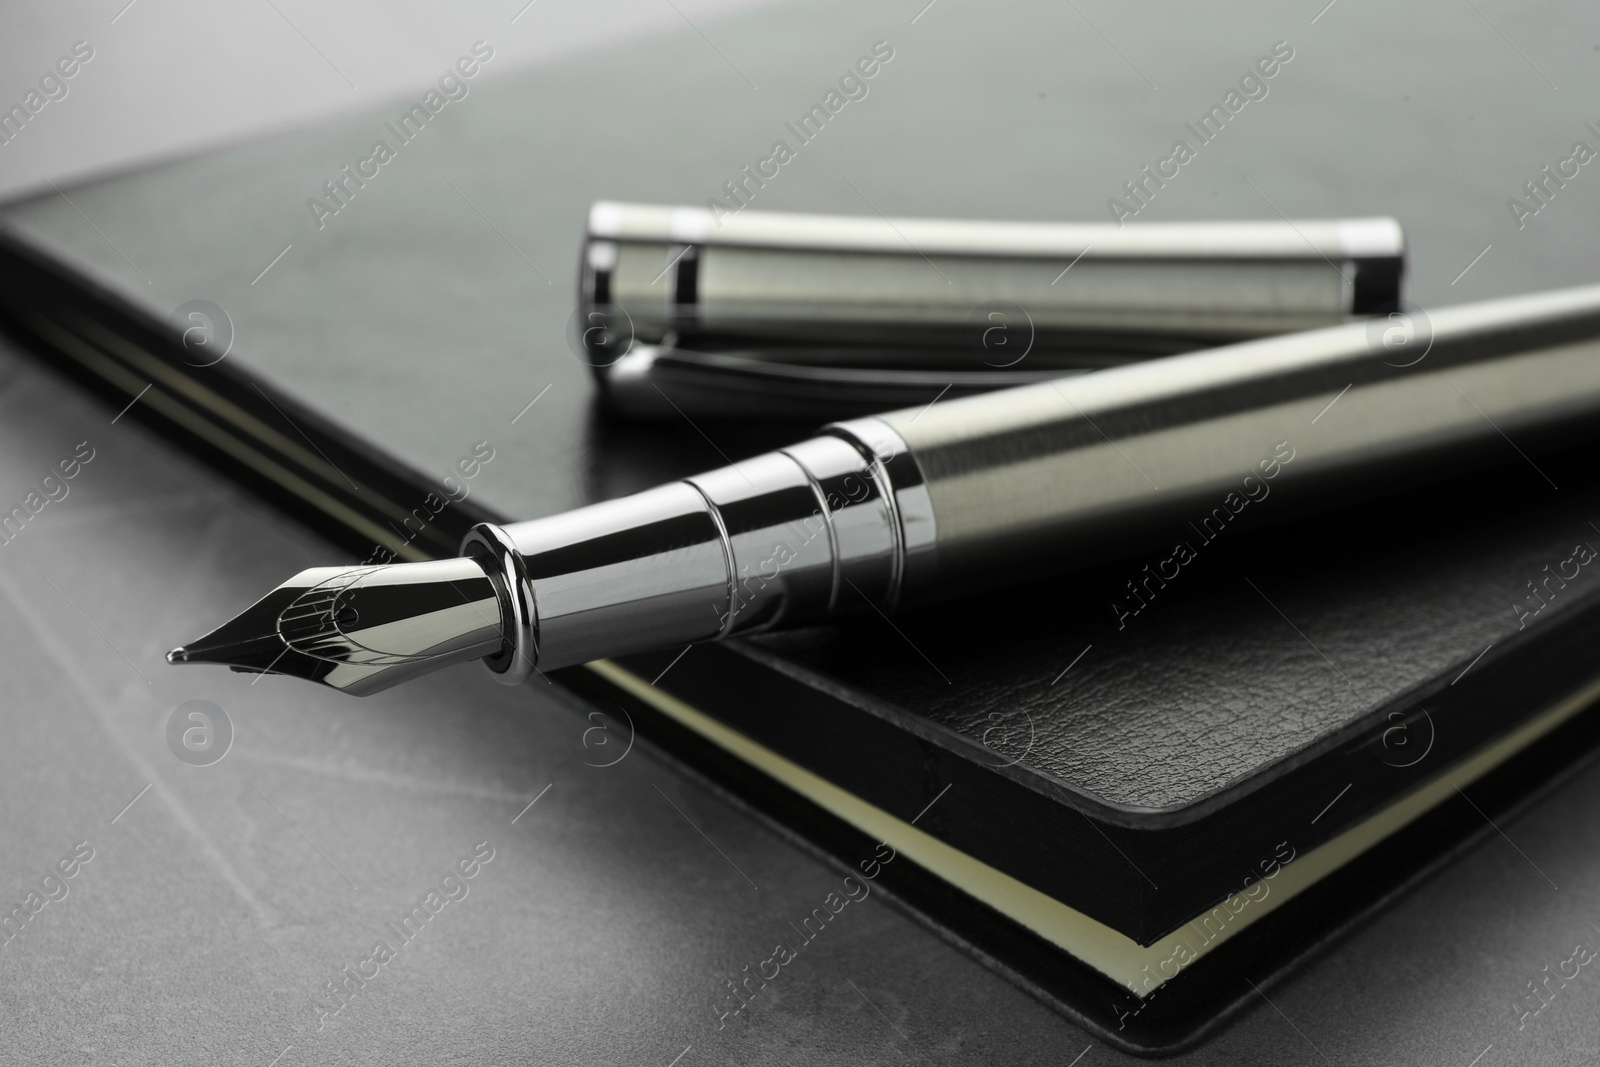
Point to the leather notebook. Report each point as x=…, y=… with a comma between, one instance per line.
x=1138, y=813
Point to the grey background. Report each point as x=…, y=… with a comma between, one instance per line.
x=603, y=929
x=183, y=76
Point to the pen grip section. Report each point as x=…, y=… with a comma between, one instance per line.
x=643, y=571
x=779, y=539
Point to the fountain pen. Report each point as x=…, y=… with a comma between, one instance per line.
x=927, y=503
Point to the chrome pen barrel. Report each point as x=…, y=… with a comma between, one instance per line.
x=1053, y=475
x=779, y=539
x=989, y=489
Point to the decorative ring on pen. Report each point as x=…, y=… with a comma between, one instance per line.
x=519, y=655
x=905, y=491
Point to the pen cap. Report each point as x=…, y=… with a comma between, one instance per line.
x=944, y=297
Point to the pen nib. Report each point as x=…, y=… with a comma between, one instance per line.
x=361, y=629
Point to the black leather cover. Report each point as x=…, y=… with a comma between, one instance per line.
x=1315, y=660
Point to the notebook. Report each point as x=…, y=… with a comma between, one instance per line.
x=1135, y=823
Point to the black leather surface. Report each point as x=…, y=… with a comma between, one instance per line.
x=850, y=701
x=1267, y=649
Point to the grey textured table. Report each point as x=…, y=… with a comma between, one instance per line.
x=219, y=903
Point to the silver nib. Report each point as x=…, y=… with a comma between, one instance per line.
x=362, y=629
